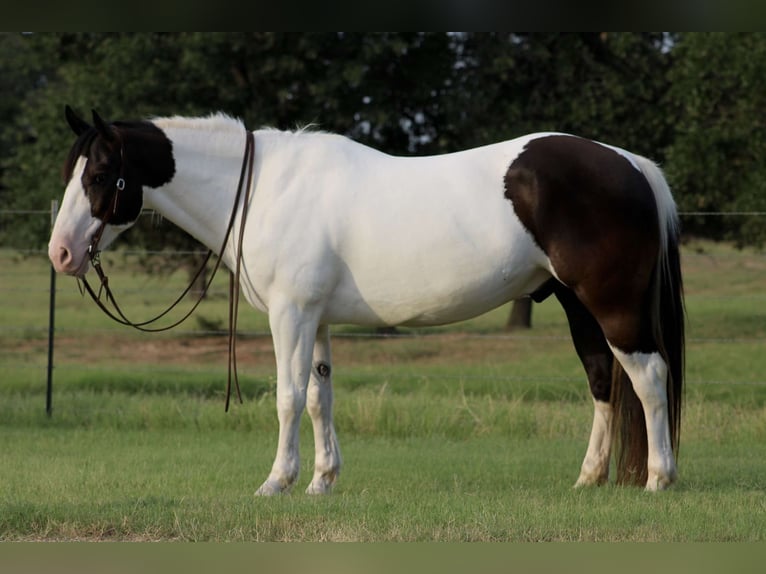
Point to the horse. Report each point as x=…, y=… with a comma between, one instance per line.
x=339, y=232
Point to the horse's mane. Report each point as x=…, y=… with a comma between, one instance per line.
x=218, y=121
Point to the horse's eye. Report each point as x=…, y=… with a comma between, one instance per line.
x=99, y=179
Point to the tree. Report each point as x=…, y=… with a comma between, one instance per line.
x=405, y=93
x=608, y=87
x=376, y=88
x=25, y=69
x=717, y=160
x=520, y=316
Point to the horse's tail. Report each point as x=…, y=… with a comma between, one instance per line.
x=668, y=315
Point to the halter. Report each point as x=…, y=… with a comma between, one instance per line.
x=234, y=276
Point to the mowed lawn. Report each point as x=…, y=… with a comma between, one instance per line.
x=457, y=433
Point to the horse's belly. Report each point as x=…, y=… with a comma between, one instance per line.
x=423, y=298
x=471, y=302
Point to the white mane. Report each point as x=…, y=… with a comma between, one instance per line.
x=224, y=124
x=218, y=133
x=215, y=122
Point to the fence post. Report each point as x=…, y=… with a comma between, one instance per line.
x=51, y=321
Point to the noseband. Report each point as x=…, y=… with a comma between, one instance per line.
x=245, y=181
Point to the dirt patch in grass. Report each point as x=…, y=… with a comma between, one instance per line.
x=448, y=348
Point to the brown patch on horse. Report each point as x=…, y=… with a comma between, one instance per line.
x=593, y=213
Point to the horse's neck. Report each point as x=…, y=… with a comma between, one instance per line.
x=200, y=198
x=201, y=195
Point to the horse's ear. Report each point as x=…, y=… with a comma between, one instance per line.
x=102, y=127
x=75, y=122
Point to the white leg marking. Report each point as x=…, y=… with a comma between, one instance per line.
x=293, y=332
x=320, y=399
x=649, y=374
x=595, y=466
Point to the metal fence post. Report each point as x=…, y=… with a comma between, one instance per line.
x=51, y=321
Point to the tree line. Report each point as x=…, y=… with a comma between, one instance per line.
x=694, y=102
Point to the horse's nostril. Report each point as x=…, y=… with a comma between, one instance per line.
x=65, y=256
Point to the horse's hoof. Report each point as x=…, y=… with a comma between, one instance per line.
x=588, y=480
x=657, y=482
x=271, y=488
x=320, y=486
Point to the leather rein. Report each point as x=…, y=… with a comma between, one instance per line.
x=245, y=181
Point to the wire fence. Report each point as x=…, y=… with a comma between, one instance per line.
x=28, y=301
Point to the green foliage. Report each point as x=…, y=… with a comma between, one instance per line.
x=603, y=86
x=405, y=93
x=690, y=101
x=716, y=161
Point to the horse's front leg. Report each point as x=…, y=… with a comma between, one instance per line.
x=293, y=331
x=327, y=460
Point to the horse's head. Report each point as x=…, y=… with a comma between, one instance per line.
x=106, y=170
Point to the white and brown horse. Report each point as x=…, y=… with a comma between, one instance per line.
x=338, y=232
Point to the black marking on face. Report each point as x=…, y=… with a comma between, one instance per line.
x=138, y=152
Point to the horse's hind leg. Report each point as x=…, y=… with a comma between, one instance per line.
x=327, y=460
x=597, y=359
x=646, y=451
x=648, y=373
x=623, y=335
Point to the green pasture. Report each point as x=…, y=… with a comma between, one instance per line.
x=454, y=433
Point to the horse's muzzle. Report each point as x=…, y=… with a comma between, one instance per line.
x=66, y=260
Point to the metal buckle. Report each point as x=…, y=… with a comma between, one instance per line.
x=120, y=183
x=94, y=255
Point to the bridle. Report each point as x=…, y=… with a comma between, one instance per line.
x=245, y=181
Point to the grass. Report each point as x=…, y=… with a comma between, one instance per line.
x=197, y=485
x=450, y=434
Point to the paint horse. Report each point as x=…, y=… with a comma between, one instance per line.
x=338, y=232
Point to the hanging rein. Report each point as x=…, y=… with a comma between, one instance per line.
x=245, y=181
